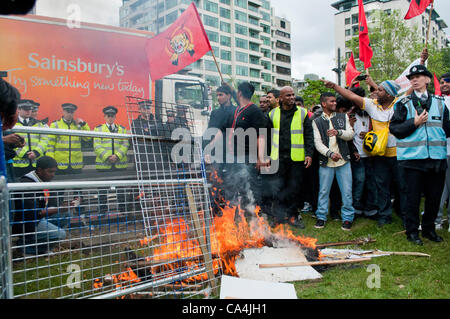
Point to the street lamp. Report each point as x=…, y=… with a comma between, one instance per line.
x=338, y=70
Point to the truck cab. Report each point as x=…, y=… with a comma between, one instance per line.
x=188, y=91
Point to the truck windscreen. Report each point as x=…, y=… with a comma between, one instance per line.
x=189, y=94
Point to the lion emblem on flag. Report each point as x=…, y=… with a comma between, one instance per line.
x=179, y=44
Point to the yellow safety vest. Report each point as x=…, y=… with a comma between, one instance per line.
x=297, y=138
x=33, y=142
x=66, y=150
x=105, y=147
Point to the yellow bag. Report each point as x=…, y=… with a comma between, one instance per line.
x=375, y=142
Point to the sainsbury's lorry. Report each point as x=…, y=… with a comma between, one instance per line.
x=91, y=66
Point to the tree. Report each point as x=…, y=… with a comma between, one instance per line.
x=311, y=94
x=395, y=45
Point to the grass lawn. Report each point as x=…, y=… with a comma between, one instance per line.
x=401, y=276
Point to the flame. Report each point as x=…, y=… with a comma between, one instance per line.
x=179, y=247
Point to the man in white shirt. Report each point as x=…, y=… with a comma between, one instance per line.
x=386, y=171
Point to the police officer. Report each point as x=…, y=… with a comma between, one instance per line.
x=34, y=147
x=146, y=150
x=34, y=114
x=421, y=124
x=66, y=149
x=111, y=153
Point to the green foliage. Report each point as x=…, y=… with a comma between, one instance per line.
x=395, y=45
x=311, y=94
x=401, y=276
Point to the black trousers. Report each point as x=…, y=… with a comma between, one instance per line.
x=287, y=187
x=432, y=185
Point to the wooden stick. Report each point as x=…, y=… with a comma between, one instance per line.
x=429, y=24
x=217, y=65
x=206, y=252
x=315, y=263
x=403, y=253
x=343, y=243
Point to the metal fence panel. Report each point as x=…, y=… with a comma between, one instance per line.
x=149, y=237
x=5, y=259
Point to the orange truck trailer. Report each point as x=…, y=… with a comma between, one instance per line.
x=91, y=66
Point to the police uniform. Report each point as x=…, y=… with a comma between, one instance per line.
x=422, y=153
x=66, y=149
x=147, y=152
x=35, y=143
x=106, y=147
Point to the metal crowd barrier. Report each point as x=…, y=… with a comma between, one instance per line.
x=143, y=238
x=6, y=290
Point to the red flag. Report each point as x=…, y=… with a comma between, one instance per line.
x=417, y=7
x=183, y=43
x=350, y=70
x=437, y=86
x=365, y=51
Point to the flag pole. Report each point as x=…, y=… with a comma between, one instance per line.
x=217, y=65
x=429, y=24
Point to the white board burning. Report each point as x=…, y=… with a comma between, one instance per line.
x=248, y=265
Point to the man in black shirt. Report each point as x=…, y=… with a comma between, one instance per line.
x=246, y=147
x=37, y=217
x=220, y=120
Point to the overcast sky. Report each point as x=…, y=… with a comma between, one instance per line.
x=312, y=27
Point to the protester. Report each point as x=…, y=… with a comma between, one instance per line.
x=445, y=91
x=421, y=125
x=247, y=145
x=384, y=167
x=264, y=104
x=332, y=131
x=34, y=211
x=364, y=186
x=274, y=98
x=292, y=149
x=220, y=121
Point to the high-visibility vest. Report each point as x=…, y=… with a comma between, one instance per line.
x=105, y=147
x=33, y=142
x=428, y=140
x=66, y=150
x=297, y=138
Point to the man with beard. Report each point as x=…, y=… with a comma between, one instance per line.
x=385, y=168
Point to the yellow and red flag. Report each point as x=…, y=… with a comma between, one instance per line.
x=183, y=43
x=417, y=7
x=365, y=51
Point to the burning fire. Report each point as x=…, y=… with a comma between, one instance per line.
x=231, y=232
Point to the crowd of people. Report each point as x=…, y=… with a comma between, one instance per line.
x=319, y=159
x=285, y=157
